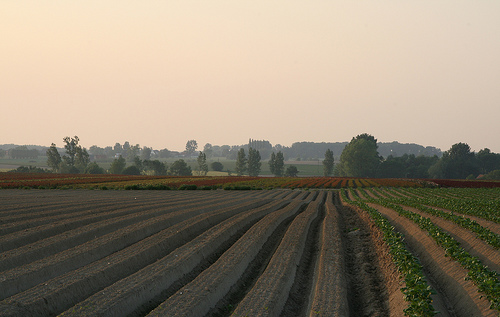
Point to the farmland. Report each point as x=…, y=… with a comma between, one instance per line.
x=363, y=247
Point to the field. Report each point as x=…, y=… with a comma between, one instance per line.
x=107, y=181
x=305, y=168
x=358, y=251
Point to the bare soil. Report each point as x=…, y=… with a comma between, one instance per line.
x=211, y=253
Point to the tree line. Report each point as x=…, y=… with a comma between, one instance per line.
x=360, y=158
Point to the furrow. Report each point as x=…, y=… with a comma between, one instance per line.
x=59, y=294
x=71, y=238
x=329, y=295
x=24, y=277
x=31, y=235
x=153, y=282
x=213, y=284
x=269, y=294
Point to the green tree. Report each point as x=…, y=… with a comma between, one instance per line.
x=360, y=157
x=146, y=153
x=488, y=161
x=457, y=163
x=208, y=150
x=202, y=164
x=118, y=149
x=180, y=168
x=82, y=159
x=217, y=166
x=272, y=162
x=154, y=167
x=71, y=147
x=117, y=165
x=53, y=158
x=132, y=151
x=191, y=147
x=131, y=170
x=291, y=171
x=328, y=163
x=279, y=164
x=94, y=168
x=241, y=162
x=254, y=163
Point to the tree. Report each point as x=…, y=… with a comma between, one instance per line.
x=254, y=163
x=277, y=164
x=488, y=161
x=272, y=162
x=191, y=147
x=202, y=164
x=133, y=151
x=117, y=165
x=360, y=157
x=131, y=170
x=146, y=153
x=241, y=162
x=94, y=168
x=155, y=167
x=53, y=158
x=217, y=166
x=291, y=171
x=328, y=163
x=208, y=150
x=71, y=149
x=457, y=163
x=118, y=149
x=180, y=168
x=82, y=159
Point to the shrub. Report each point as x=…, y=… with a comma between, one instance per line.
x=188, y=187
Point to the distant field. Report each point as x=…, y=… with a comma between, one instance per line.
x=305, y=168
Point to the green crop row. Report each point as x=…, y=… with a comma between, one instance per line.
x=481, y=232
x=485, y=279
x=417, y=291
x=485, y=208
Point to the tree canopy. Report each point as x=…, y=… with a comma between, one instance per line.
x=328, y=163
x=241, y=162
x=277, y=164
x=360, y=157
x=254, y=163
x=180, y=168
x=457, y=163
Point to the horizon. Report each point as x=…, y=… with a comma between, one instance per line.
x=161, y=73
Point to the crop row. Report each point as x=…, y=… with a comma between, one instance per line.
x=485, y=279
x=416, y=289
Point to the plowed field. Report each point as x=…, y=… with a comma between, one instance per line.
x=217, y=253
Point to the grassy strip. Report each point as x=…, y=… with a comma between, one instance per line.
x=417, y=291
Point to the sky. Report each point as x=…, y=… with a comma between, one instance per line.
x=160, y=73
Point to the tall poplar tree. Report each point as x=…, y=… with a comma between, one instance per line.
x=328, y=163
x=254, y=163
x=241, y=162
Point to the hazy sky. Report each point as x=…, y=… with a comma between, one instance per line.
x=159, y=73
